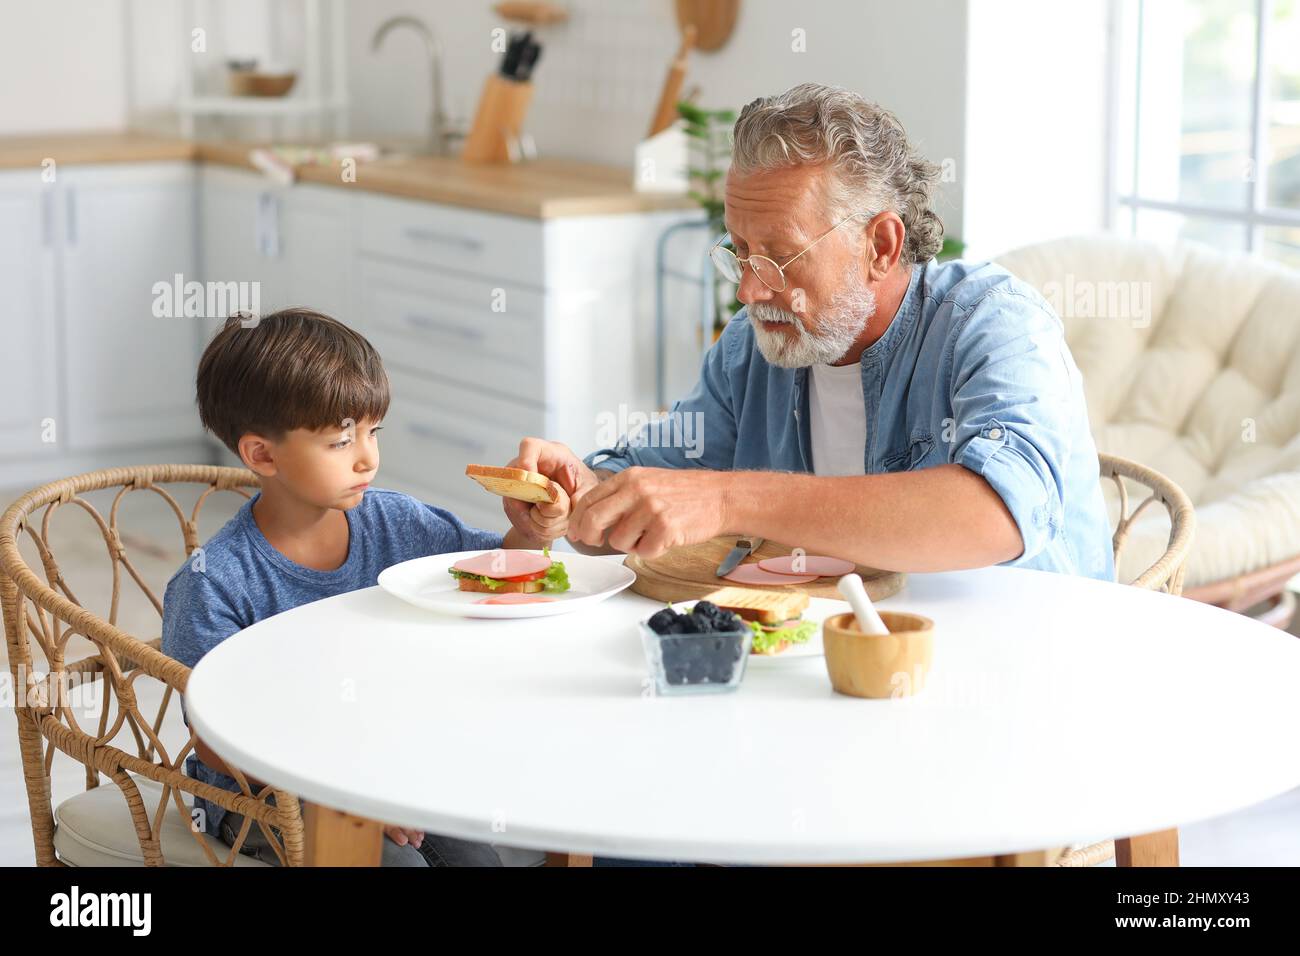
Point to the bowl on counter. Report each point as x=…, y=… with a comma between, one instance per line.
x=254, y=83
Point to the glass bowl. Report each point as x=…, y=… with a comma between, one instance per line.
x=696, y=663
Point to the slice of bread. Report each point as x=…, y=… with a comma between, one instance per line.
x=754, y=604
x=506, y=587
x=514, y=483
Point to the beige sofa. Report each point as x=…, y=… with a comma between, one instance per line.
x=1191, y=365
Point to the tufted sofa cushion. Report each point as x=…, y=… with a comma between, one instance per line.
x=1191, y=365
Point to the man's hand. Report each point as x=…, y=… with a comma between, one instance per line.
x=403, y=835
x=544, y=522
x=540, y=523
x=646, y=511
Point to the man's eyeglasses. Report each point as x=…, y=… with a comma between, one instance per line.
x=769, y=273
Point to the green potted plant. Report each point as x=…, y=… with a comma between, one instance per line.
x=710, y=140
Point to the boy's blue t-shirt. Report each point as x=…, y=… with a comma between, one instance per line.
x=239, y=579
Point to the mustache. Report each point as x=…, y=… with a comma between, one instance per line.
x=770, y=313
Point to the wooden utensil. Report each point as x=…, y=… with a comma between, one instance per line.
x=713, y=20
x=666, y=113
x=531, y=11
x=499, y=120
x=687, y=573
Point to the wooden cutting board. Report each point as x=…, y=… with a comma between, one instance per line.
x=713, y=20
x=688, y=573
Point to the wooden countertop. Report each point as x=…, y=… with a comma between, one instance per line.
x=78, y=148
x=540, y=189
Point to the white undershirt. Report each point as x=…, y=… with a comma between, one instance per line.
x=839, y=419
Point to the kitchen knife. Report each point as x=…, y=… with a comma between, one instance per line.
x=514, y=49
x=527, y=60
x=744, y=547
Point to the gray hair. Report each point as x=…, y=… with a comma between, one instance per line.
x=865, y=146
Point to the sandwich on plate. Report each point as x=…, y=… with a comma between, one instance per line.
x=509, y=571
x=775, y=617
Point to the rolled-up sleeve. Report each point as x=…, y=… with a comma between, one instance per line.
x=699, y=431
x=1012, y=407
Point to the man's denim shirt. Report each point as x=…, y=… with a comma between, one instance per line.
x=974, y=369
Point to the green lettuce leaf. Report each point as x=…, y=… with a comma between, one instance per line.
x=493, y=583
x=765, y=640
x=557, y=579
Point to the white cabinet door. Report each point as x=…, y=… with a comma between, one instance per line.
x=445, y=326
x=295, y=242
x=130, y=373
x=315, y=254
x=235, y=230
x=31, y=422
x=453, y=240
x=434, y=429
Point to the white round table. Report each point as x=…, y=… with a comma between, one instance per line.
x=1059, y=710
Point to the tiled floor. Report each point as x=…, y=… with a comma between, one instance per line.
x=1264, y=835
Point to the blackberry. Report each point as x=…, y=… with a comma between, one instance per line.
x=731, y=621
x=662, y=622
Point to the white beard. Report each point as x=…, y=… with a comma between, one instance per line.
x=838, y=327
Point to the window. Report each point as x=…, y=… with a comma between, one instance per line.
x=1208, y=124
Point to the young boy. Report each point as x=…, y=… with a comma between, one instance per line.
x=299, y=397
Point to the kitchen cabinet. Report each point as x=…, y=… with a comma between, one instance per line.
x=494, y=325
x=294, y=241
x=434, y=429
x=31, y=415
x=92, y=369
x=497, y=327
x=129, y=369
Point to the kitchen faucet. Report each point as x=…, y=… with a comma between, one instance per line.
x=439, y=134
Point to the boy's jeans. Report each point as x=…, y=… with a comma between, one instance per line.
x=435, y=850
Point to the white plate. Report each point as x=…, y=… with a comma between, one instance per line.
x=818, y=610
x=425, y=583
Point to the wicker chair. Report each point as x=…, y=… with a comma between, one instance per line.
x=1166, y=574
x=1200, y=384
x=150, y=780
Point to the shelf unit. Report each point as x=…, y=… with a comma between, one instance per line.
x=319, y=93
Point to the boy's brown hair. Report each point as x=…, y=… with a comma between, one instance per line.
x=291, y=369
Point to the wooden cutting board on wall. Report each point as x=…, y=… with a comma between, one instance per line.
x=713, y=20
x=688, y=573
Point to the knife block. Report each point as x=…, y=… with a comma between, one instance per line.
x=499, y=119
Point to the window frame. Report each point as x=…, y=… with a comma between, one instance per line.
x=1257, y=214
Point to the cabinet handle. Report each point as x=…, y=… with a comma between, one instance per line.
x=47, y=218
x=259, y=225
x=433, y=325
x=427, y=431
x=71, y=222
x=428, y=235
x=268, y=225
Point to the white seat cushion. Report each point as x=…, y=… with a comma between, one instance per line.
x=94, y=828
x=1191, y=366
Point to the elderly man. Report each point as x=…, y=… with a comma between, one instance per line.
x=868, y=402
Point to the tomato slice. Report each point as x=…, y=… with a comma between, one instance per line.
x=520, y=578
